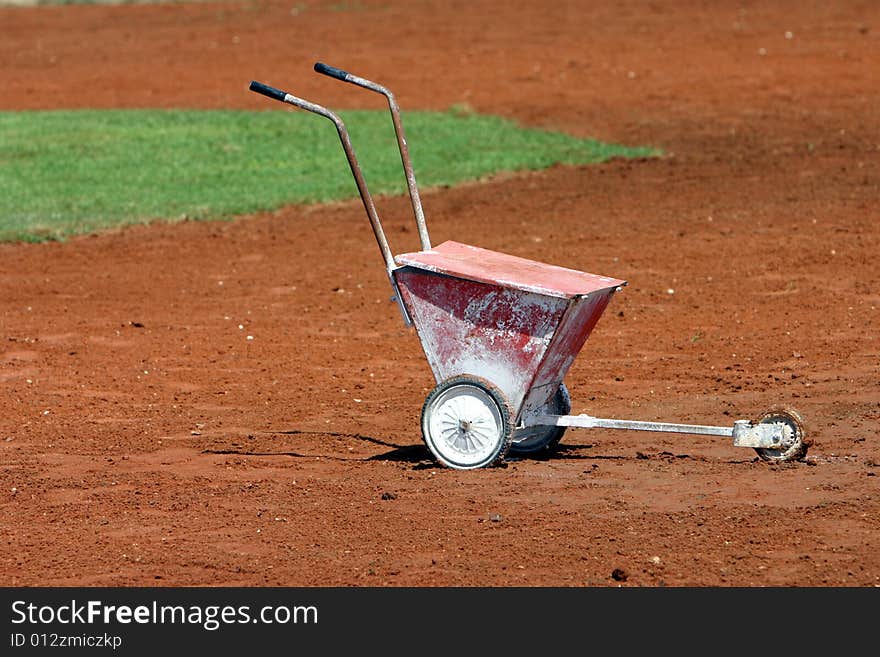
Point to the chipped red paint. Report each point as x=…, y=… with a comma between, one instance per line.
x=574, y=329
x=476, y=264
x=514, y=322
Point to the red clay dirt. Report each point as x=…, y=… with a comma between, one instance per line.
x=237, y=403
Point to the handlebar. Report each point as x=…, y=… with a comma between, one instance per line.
x=413, y=188
x=332, y=71
x=266, y=90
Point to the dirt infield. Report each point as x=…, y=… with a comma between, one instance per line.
x=237, y=403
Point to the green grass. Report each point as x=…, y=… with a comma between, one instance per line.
x=71, y=172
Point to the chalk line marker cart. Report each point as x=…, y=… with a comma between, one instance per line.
x=500, y=333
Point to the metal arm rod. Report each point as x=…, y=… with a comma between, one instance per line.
x=416, y=202
x=590, y=422
x=763, y=435
x=369, y=206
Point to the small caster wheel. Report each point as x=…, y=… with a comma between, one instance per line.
x=794, y=441
x=466, y=423
x=541, y=439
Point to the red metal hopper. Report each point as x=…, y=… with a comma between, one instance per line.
x=517, y=323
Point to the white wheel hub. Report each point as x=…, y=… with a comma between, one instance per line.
x=464, y=426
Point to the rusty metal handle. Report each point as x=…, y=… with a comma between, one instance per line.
x=369, y=206
x=413, y=188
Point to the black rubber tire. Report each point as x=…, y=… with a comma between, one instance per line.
x=543, y=440
x=485, y=390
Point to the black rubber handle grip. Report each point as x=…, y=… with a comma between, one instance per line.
x=332, y=71
x=266, y=90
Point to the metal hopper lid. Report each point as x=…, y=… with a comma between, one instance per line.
x=476, y=264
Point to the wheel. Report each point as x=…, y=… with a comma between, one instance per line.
x=466, y=423
x=794, y=442
x=538, y=439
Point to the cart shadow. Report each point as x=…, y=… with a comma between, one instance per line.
x=420, y=457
